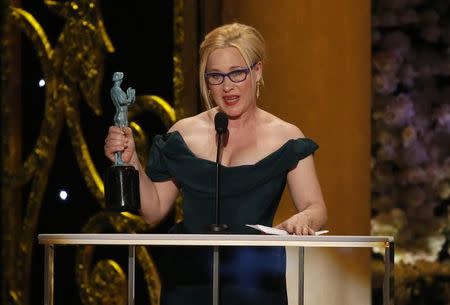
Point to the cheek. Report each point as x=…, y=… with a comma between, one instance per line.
x=215, y=92
x=247, y=88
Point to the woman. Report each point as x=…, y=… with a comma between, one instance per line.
x=261, y=153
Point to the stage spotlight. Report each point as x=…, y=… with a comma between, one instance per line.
x=63, y=195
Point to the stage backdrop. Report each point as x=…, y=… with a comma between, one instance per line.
x=317, y=76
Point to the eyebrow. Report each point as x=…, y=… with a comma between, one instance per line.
x=230, y=69
x=237, y=67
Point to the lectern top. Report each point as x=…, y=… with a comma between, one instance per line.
x=215, y=240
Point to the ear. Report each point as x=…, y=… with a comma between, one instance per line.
x=257, y=69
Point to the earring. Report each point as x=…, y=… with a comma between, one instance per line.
x=257, y=89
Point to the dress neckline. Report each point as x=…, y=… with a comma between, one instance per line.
x=269, y=156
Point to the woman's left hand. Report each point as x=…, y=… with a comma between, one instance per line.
x=297, y=224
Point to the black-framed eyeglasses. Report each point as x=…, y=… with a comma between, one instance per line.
x=236, y=76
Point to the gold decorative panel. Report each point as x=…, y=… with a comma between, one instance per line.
x=73, y=69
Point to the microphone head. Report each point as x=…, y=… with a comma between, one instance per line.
x=221, y=122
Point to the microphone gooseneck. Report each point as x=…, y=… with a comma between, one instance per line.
x=221, y=125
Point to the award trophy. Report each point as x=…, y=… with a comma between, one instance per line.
x=121, y=181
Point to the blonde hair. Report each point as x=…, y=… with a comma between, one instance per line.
x=246, y=39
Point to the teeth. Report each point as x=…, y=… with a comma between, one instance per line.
x=231, y=98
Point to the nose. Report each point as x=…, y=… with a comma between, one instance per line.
x=227, y=84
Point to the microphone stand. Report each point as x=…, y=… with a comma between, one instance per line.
x=217, y=227
x=221, y=122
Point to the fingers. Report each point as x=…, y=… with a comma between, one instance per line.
x=127, y=131
x=302, y=230
x=117, y=140
x=296, y=229
x=115, y=131
x=297, y=225
x=287, y=226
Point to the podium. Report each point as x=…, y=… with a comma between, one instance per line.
x=294, y=244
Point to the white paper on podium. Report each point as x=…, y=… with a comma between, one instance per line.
x=268, y=230
x=275, y=231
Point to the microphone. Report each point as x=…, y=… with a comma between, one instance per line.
x=221, y=125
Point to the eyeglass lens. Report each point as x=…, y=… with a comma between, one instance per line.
x=236, y=76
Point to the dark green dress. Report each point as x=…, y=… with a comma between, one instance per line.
x=250, y=195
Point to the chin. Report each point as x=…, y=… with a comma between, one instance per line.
x=232, y=113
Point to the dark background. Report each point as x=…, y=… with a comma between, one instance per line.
x=142, y=34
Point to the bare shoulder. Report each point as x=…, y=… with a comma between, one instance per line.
x=280, y=129
x=195, y=131
x=193, y=124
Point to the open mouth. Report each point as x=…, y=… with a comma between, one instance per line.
x=230, y=100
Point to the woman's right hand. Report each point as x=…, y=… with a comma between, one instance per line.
x=121, y=140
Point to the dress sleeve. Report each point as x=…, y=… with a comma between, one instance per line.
x=157, y=168
x=299, y=150
x=303, y=147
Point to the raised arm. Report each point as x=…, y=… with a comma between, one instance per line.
x=157, y=198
